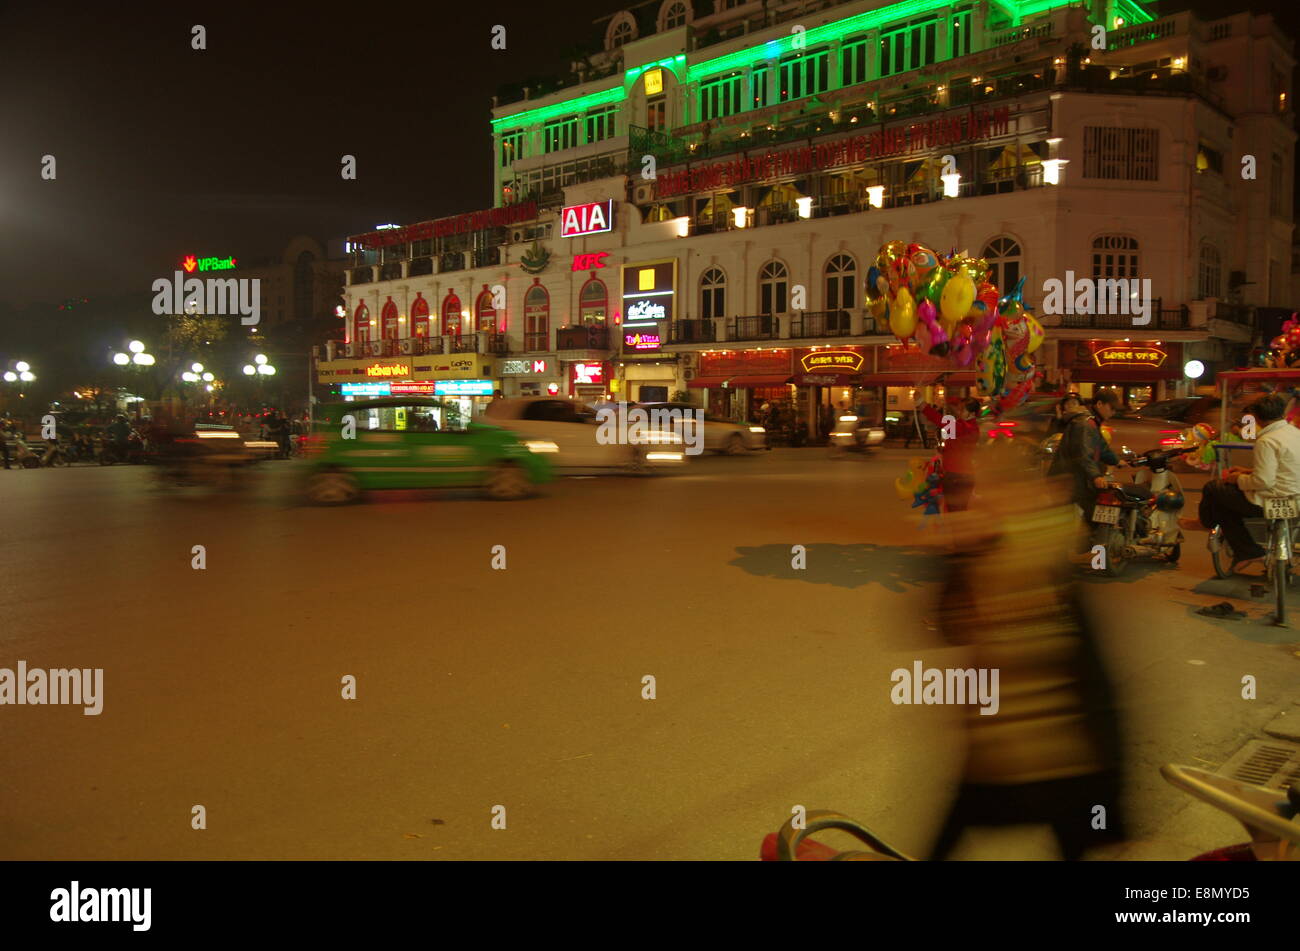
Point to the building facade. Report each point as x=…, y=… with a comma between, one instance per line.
x=696, y=211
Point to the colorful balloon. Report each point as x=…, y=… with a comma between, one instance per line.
x=1036, y=332
x=958, y=295
x=902, y=316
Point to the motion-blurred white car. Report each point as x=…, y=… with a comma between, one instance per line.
x=720, y=435
x=569, y=430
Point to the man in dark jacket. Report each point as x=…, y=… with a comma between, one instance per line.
x=1084, y=453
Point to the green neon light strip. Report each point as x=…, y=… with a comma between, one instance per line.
x=1132, y=11
x=672, y=64
x=568, y=107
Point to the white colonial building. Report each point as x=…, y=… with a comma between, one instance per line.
x=697, y=208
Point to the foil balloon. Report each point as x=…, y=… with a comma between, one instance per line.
x=956, y=299
x=1014, y=300
x=936, y=338
x=902, y=316
x=1036, y=332
x=985, y=308
x=907, y=484
x=963, y=351
x=924, y=263
x=991, y=367
x=876, y=290
x=888, y=262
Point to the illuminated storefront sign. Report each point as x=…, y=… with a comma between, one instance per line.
x=831, y=361
x=592, y=218
x=518, y=367
x=641, y=342
x=649, y=289
x=589, y=374
x=388, y=369
x=193, y=263
x=364, y=389
x=413, y=389
x=464, y=388
x=588, y=262
x=1129, y=355
x=654, y=82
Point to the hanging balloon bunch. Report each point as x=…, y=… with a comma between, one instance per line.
x=947, y=304
x=1284, y=349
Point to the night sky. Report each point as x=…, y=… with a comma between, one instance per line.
x=163, y=150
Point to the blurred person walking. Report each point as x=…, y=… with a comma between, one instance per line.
x=1051, y=753
x=958, y=452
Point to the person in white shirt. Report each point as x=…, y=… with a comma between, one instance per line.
x=1238, y=493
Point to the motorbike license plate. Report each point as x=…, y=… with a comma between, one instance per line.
x=1280, y=508
x=1106, y=514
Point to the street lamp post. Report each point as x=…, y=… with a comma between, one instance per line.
x=137, y=356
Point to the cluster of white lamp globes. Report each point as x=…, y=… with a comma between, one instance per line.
x=22, y=371
x=138, y=356
x=196, y=374
x=260, y=365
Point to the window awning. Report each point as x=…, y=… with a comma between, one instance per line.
x=736, y=382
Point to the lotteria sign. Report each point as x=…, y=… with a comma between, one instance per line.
x=592, y=218
x=192, y=263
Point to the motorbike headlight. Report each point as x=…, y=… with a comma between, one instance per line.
x=757, y=429
x=541, y=445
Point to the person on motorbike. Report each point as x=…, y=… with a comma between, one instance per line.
x=1083, y=454
x=1238, y=494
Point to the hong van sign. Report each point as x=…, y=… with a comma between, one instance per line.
x=592, y=218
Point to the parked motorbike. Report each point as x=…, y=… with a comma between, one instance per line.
x=132, y=451
x=1139, y=519
x=55, y=455
x=853, y=434
x=24, y=455
x=1271, y=819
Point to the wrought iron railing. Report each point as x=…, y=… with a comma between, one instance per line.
x=830, y=323
x=760, y=327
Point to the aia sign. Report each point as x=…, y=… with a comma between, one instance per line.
x=591, y=218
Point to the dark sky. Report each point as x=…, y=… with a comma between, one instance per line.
x=162, y=150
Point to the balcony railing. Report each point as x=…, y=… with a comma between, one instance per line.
x=694, y=331
x=831, y=323
x=582, y=338
x=362, y=275
x=420, y=266
x=1162, y=318
x=761, y=327
x=391, y=271
x=451, y=261
x=487, y=257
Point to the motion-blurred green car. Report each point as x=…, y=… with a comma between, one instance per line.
x=414, y=443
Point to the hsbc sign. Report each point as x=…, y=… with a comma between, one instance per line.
x=591, y=218
x=517, y=367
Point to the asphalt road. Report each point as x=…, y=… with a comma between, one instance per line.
x=478, y=687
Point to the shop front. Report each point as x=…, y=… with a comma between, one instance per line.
x=588, y=382
x=535, y=375
x=1138, y=371
x=463, y=381
x=832, y=378
x=740, y=382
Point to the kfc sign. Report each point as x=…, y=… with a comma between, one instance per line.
x=589, y=374
x=588, y=262
x=591, y=218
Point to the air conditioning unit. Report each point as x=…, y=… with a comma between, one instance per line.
x=354, y=350
x=643, y=193
x=688, y=375
x=408, y=346
x=690, y=361
x=517, y=235
x=377, y=348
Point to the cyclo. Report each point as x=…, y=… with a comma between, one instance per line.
x=1278, y=531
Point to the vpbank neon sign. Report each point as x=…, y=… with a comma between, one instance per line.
x=193, y=263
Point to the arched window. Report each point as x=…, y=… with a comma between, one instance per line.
x=773, y=288
x=451, y=316
x=419, y=316
x=622, y=30
x=672, y=15
x=1003, y=256
x=841, y=282
x=485, y=313
x=1114, y=255
x=388, y=321
x=713, y=293
x=593, y=301
x=361, y=324
x=537, y=318
x=1210, y=283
